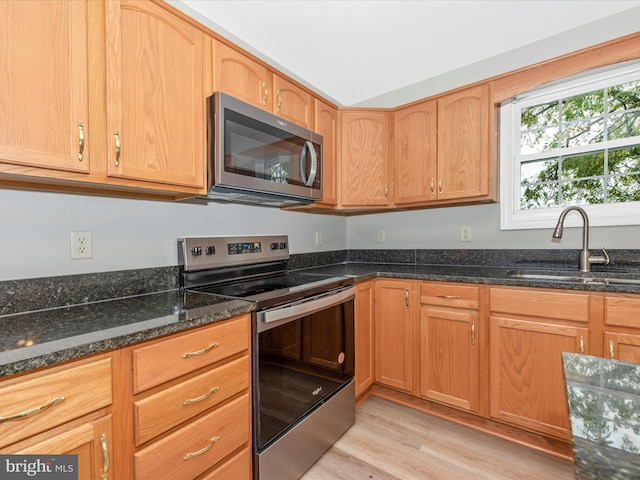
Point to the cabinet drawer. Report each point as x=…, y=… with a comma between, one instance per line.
x=622, y=311
x=166, y=409
x=195, y=448
x=537, y=303
x=83, y=389
x=238, y=466
x=168, y=359
x=448, y=295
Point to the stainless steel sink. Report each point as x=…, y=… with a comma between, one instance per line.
x=602, y=278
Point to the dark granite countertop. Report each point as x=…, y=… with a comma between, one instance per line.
x=51, y=320
x=604, y=409
x=46, y=337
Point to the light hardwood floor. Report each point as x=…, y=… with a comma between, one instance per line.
x=391, y=441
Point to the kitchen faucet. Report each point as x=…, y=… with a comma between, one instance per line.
x=585, y=256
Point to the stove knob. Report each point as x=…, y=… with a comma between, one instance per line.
x=283, y=246
x=274, y=246
x=210, y=250
x=195, y=251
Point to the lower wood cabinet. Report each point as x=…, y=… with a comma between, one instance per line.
x=364, y=319
x=449, y=344
x=622, y=327
x=61, y=410
x=395, y=316
x=526, y=373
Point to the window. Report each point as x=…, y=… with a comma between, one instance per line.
x=575, y=142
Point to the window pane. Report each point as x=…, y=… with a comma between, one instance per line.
x=583, y=192
x=540, y=116
x=625, y=96
x=587, y=105
x=538, y=195
x=539, y=171
x=583, y=132
x=624, y=189
x=537, y=141
x=585, y=165
x=624, y=125
x=624, y=160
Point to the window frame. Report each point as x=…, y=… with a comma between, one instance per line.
x=511, y=217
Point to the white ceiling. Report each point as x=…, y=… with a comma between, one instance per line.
x=356, y=50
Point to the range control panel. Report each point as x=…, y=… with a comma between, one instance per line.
x=198, y=253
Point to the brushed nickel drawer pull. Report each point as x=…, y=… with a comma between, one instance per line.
x=189, y=456
x=189, y=401
x=201, y=352
x=450, y=297
x=81, y=141
x=105, y=457
x=33, y=411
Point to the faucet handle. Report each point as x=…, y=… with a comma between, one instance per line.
x=600, y=260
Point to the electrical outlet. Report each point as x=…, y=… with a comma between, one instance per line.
x=380, y=236
x=318, y=238
x=81, y=245
x=465, y=234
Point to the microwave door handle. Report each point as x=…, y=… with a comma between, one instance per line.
x=308, y=181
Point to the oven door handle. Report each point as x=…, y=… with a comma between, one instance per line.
x=274, y=317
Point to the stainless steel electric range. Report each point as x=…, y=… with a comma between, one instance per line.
x=302, y=348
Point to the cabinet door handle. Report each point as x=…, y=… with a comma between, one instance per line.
x=279, y=100
x=117, y=159
x=440, y=185
x=473, y=333
x=33, y=411
x=432, y=187
x=105, y=457
x=202, y=450
x=80, y=141
x=581, y=344
x=450, y=297
x=201, y=352
x=266, y=93
x=406, y=297
x=189, y=401
x=611, y=354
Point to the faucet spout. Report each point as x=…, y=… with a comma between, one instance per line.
x=586, y=259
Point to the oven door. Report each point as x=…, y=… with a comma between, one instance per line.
x=303, y=355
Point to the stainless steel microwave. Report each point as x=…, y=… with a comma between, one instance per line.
x=257, y=157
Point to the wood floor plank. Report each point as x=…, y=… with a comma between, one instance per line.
x=394, y=442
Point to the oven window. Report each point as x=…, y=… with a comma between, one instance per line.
x=299, y=365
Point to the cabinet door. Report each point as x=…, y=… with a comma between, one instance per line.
x=449, y=357
x=364, y=319
x=326, y=124
x=527, y=378
x=394, y=334
x=415, y=153
x=622, y=346
x=91, y=441
x=364, y=158
x=292, y=102
x=155, y=95
x=44, y=96
x=240, y=77
x=464, y=143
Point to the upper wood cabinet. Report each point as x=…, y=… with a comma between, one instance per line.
x=465, y=150
x=326, y=124
x=415, y=142
x=292, y=102
x=364, y=158
x=44, y=101
x=155, y=95
x=241, y=77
